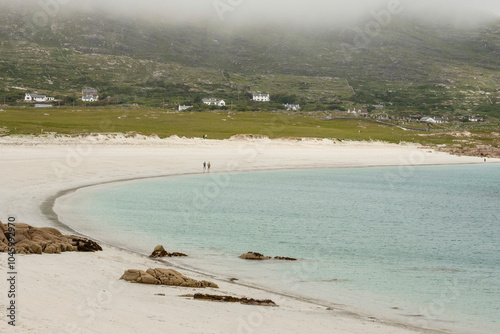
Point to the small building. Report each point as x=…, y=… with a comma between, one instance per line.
x=90, y=95
x=37, y=98
x=214, y=102
x=360, y=112
x=378, y=106
x=182, y=108
x=434, y=120
x=475, y=119
x=428, y=119
x=440, y=120
x=261, y=97
x=292, y=107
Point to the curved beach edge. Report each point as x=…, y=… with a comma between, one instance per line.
x=69, y=292
x=48, y=209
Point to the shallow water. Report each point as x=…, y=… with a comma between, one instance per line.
x=418, y=245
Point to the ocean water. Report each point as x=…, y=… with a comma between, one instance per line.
x=418, y=245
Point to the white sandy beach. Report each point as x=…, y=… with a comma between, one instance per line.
x=82, y=293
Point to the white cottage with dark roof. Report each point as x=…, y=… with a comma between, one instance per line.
x=214, y=102
x=37, y=98
x=90, y=95
x=262, y=97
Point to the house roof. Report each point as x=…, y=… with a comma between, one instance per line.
x=37, y=96
x=261, y=95
x=89, y=92
x=212, y=100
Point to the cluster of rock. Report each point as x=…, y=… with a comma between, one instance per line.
x=230, y=299
x=159, y=251
x=282, y=258
x=37, y=240
x=162, y=276
x=483, y=151
x=260, y=257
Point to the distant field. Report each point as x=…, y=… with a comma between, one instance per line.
x=219, y=125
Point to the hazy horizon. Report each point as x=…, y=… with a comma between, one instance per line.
x=255, y=12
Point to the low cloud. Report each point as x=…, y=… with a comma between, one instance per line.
x=255, y=12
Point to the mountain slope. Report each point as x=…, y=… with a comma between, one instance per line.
x=411, y=65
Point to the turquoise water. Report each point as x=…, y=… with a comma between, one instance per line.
x=414, y=245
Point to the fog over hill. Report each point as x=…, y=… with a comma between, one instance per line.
x=254, y=12
x=407, y=54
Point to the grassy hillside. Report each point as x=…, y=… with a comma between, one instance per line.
x=409, y=66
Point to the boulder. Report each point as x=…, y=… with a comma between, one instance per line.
x=85, y=245
x=254, y=256
x=139, y=276
x=231, y=299
x=258, y=256
x=50, y=249
x=177, y=254
x=51, y=230
x=281, y=258
x=159, y=251
x=36, y=248
x=164, y=277
x=34, y=240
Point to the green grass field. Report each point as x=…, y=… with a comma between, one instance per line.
x=220, y=125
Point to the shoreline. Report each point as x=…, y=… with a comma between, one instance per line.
x=48, y=209
x=115, y=162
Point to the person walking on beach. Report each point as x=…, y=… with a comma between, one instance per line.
x=208, y=166
x=204, y=165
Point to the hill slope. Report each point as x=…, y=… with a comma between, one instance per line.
x=409, y=65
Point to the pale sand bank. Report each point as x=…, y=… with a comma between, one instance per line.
x=81, y=293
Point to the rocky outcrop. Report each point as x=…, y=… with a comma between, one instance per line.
x=37, y=240
x=139, y=276
x=159, y=251
x=281, y=258
x=86, y=245
x=254, y=256
x=230, y=299
x=260, y=257
x=162, y=276
x=481, y=151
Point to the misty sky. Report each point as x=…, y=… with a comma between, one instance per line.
x=293, y=9
x=252, y=11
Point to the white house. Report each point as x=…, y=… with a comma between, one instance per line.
x=182, y=108
x=475, y=119
x=214, y=102
x=90, y=95
x=37, y=98
x=355, y=111
x=293, y=107
x=262, y=97
x=428, y=119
